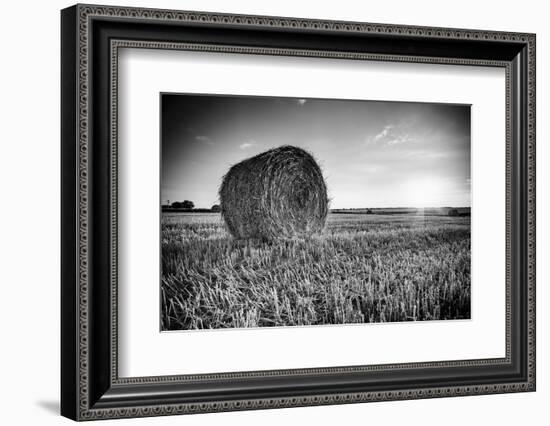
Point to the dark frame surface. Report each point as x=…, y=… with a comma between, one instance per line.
x=91, y=37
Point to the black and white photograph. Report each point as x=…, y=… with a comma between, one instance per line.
x=264, y=207
x=280, y=211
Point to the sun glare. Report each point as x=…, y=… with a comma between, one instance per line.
x=424, y=193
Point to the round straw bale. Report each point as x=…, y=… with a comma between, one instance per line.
x=280, y=193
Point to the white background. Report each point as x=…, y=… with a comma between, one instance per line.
x=29, y=222
x=140, y=343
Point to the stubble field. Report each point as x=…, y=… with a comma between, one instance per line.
x=363, y=268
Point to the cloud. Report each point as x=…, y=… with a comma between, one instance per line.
x=384, y=133
x=247, y=145
x=398, y=140
x=427, y=155
x=204, y=139
x=390, y=135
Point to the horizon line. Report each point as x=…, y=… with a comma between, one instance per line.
x=363, y=208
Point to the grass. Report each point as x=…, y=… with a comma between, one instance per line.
x=364, y=268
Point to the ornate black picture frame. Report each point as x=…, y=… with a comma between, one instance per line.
x=90, y=39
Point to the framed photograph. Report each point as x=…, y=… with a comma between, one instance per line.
x=263, y=212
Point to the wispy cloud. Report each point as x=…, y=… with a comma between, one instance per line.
x=247, y=145
x=204, y=139
x=426, y=155
x=384, y=133
x=390, y=135
x=398, y=140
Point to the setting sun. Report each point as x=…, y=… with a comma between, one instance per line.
x=424, y=192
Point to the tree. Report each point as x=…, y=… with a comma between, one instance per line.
x=216, y=208
x=188, y=205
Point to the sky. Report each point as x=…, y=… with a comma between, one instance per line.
x=372, y=153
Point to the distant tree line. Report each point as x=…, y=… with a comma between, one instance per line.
x=185, y=205
x=430, y=211
x=189, y=206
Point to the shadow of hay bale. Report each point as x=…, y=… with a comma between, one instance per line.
x=280, y=193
